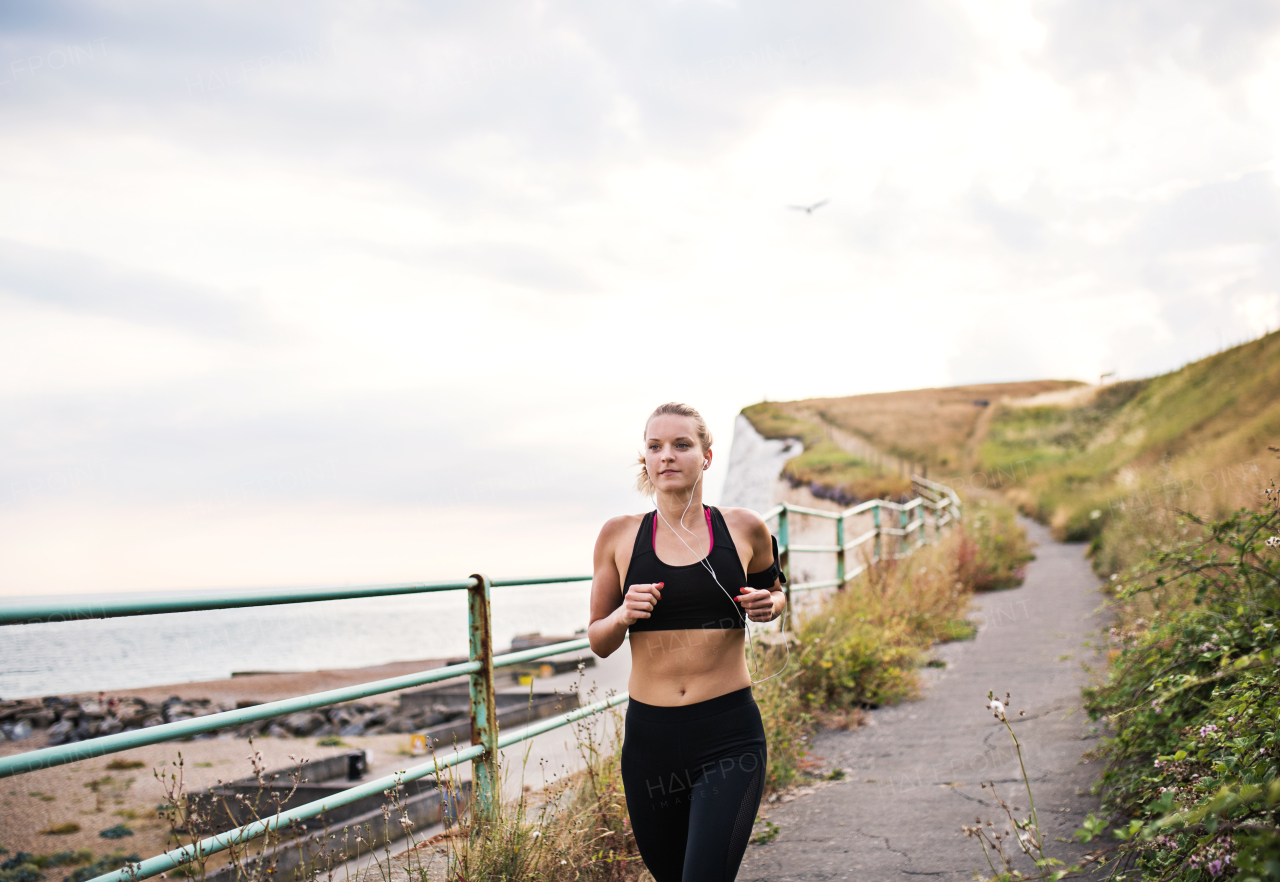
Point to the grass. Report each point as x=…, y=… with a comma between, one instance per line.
x=863, y=647
x=1192, y=779
x=825, y=465
x=576, y=829
x=1115, y=469
x=929, y=426
x=27, y=867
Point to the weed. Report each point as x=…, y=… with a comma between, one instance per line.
x=123, y=765
x=108, y=864
x=1017, y=836
x=1192, y=781
x=61, y=829
x=768, y=832
x=119, y=831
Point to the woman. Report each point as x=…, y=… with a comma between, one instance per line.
x=693, y=756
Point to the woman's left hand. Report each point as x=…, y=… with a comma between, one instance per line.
x=758, y=603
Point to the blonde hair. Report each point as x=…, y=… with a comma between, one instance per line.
x=671, y=408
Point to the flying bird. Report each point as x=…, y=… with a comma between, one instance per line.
x=809, y=209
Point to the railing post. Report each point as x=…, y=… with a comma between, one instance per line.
x=784, y=551
x=924, y=520
x=903, y=517
x=840, y=570
x=484, y=704
x=875, y=522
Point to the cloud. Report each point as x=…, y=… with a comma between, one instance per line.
x=79, y=282
x=1245, y=210
x=1219, y=39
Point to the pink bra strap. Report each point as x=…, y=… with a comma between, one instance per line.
x=711, y=534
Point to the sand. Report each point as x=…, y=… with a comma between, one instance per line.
x=96, y=797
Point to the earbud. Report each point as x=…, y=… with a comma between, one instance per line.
x=705, y=466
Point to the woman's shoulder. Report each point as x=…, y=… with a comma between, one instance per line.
x=622, y=526
x=743, y=520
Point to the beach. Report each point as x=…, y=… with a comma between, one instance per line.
x=97, y=796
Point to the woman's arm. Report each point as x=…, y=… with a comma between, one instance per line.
x=612, y=613
x=761, y=604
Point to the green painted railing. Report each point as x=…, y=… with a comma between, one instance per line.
x=933, y=497
x=485, y=738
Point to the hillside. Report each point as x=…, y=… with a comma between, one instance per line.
x=1090, y=461
x=867, y=446
x=1191, y=439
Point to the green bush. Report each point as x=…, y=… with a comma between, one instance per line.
x=998, y=550
x=1192, y=699
x=108, y=864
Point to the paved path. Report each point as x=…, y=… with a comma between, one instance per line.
x=915, y=771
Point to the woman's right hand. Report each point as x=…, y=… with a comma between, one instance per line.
x=639, y=601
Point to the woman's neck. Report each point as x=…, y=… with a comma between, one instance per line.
x=675, y=505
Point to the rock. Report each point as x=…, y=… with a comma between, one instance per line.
x=43, y=718
x=19, y=731
x=60, y=732
x=303, y=722
x=110, y=726
x=275, y=730
x=399, y=725
x=132, y=713
x=152, y=720
x=352, y=729
x=326, y=729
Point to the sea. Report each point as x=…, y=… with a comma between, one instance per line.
x=116, y=654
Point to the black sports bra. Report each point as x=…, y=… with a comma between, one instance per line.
x=690, y=596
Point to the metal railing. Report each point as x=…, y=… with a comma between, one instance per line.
x=912, y=523
x=485, y=738
x=479, y=667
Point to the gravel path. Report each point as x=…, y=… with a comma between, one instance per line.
x=914, y=773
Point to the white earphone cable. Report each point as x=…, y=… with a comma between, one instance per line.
x=706, y=564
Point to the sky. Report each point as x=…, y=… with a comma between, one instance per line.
x=340, y=293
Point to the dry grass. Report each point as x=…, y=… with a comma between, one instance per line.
x=1116, y=470
x=576, y=830
x=863, y=646
x=937, y=427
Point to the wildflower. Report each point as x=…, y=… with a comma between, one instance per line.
x=1114, y=577
x=1273, y=541
x=1155, y=707
x=1095, y=514
x=997, y=707
x=1215, y=867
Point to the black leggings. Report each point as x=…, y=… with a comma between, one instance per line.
x=693, y=776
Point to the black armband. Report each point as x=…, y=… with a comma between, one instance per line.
x=764, y=579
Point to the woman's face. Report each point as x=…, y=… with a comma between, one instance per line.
x=672, y=452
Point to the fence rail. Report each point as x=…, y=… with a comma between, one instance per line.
x=479, y=668
x=912, y=521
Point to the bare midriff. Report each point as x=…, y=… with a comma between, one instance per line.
x=671, y=668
